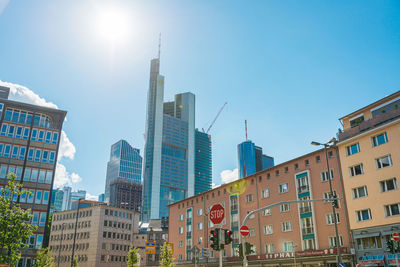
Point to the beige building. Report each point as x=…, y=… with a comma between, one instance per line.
x=103, y=236
x=281, y=234
x=369, y=148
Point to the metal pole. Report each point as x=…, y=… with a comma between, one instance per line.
x=59, y=250
x=339, y=256
x=244, y=252
x=76, y=223
x=294, y=254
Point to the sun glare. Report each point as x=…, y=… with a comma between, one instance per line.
x=113, y=24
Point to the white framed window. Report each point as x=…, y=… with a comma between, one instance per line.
x=266, y=212
x=286, y=226
x=379, y=139
x=265, y=193
x=392, y=210
x=252, y=232
x=283, y=188
x=384, y=162
x=180, y=230
x=372, y=242
x=268, y=229
x=249, y=198
x=200, y=240
x=180, y=244
x=309, y=244
x=360, y=192
x=180, y=257
x=353, y=149
x=200, y=226
x=200, y=212
x=330, y=220
x=388, y=185
x=180, y=217
x=356, y=170
x=332, y=241
x=285, y=207
x=288, y=246
x=363, y=215
x=324, y=175
x=269, y=248
x=327, y=196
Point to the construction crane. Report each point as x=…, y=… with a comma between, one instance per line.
x=216, y=117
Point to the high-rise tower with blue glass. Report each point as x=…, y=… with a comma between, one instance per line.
x=169, y=156
x=203, y=175
x=251, y=159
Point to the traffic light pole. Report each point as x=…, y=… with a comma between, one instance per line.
x=220, y=251
x=245, y=262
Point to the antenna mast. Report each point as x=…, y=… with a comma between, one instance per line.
x=245, y=127
x=159, y=46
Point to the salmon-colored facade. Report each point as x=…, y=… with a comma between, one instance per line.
x=306, y=229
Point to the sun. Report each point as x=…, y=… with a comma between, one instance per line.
x=113, y=24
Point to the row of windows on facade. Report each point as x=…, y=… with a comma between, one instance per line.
x=66, y=247
x=79, y=258
x=35, y=241
x=69, y=226
x=382, y=162
x=372, y=242
x=375, y=141
x=66, y=216
x=119, y=214
x=25, y=117
x=115, y=224
x=116, y=247
x=18, y=152
x=19, y=132
x=116, y=235
x=385, y=186
x=34, y=196
x=390, y=210
x=113, y=258
x=31, y=174
x=70, y=236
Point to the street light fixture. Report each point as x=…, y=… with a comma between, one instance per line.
x=331, y=143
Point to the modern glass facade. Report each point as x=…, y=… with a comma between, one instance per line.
x=251, y=159
x=203, y=163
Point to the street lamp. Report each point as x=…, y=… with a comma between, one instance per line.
x=61, y=239
x=76, y=223
x=331, y=143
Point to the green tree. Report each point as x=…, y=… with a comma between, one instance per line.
x=44, y=258
x=133, y=257
x=75, y=263
x=15, y=227
x=166, y=256
x=46, y=238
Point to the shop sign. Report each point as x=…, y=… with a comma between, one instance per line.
x=372, y=260
x=391, y=258
x=306, y=253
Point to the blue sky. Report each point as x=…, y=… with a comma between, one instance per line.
x=291, y=68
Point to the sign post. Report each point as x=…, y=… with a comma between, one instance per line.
x=396, y=238
x=217, y=215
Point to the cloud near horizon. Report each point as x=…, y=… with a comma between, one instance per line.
x=228, y=176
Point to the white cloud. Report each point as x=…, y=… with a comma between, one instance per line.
x=3, y=4
x=228, y=176
x=66, y=149
x=91, y=197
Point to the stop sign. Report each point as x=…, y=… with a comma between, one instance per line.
x=396, y=236
x=244, y=230
x=217, y=214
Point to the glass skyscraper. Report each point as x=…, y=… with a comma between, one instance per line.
x=251, y=159
x=168, y=169
x=203, y=163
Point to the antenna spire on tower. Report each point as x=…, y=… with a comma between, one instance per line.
x=159, y=46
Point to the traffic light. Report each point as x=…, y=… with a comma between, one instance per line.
x=228, y=236
x=215, y=242
x=241, y=251
x=248, y=248
x=335, y=203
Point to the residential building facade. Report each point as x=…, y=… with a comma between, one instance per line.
x=203, y=162
x=280, y=233
x=29, y=142
x=103, y=236
x=370, y=160
x=251, y=159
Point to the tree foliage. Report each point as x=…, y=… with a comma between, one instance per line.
x=44, y=258
x=75, y=262
x=166, y=256
x=15, y=226
x=133, y=257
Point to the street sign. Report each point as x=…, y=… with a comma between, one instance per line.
x=342, y=264
x=396, y=236
x=244, y=230
x=150, y=247
x=205, y=252
x=217, y=214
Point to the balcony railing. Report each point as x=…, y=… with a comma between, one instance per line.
x=303, y=188
x=305, y=209
x=188, y=234
x=307, y=230
x=366, y=125
x=234, y=207
x=188, y=220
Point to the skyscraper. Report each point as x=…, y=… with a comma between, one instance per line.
x=170, y=148
x=123, y=169
x=29, y=143
x=251, y=159
x=203, y=161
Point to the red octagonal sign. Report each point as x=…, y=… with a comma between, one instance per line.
x=217, y=214
x=396, y=236
x=244, y=230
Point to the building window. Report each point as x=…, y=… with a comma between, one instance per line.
x=180, y=230
x=307, y=162
x=180, y=217
x=200, y=226
x=360, y=192
x=252, y=232
x=287, y=226
x=353, y=149
x=372, y=242
x=324, y=175
x=288, y=246
x=309, y=244
x=330, y=154
x=363, y=215
x=249, y=198
x=269, y=248
x=383, y=162
x=388, y=185
x=265, y=193
x=356, y=170
x=283, y=188
x=200, y=212
x=379, y=139
x=296, y=166
x=330, y=219
x=180, y=244
x=266, y=212
x=286, y=169
x=356, y=121
x=332, y=241
x=277, y=173
x=268, y=230
x=285, y=207
x=392, y=210
x=318, y=159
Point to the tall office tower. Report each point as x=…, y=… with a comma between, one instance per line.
x=202, y=162
x=251, y=159
x=102, y=197
x=125, y=194
x=169, y=150
x=29, y=142
x=125, y=164
x=56, y=200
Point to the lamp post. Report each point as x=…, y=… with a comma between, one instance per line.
x=61, y=239
x=76, y=224
x=331, y=143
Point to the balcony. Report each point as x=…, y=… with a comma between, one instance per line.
x=303, y=189
x=305, y=209
x=188, y=234
x=188, y=220
x=369, y=124
x=307, y=230
x=188, y=247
